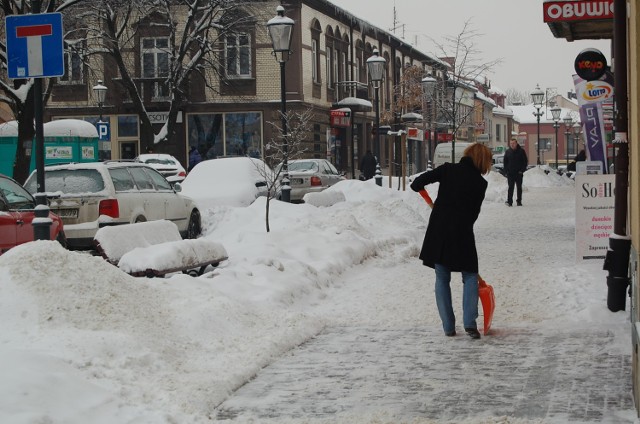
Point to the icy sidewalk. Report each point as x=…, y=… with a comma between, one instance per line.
x=351, y=374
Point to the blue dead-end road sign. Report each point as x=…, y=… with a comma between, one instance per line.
x=35, y=46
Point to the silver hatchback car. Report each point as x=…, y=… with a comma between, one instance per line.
x=88, y=196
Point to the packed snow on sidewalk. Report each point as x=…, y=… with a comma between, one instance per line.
x=82, y=342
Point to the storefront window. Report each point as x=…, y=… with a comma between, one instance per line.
x=205, y=132
x=127, y=126
x=230, y=134
x=242, y=134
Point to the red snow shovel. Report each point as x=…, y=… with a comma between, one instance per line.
x=485, y=291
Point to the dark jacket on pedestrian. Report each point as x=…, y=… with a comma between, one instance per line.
x=368, y=165
x=449, y=239
x=194, y=157
x=515, y=161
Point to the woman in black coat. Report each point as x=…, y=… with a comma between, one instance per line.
x=449, y=244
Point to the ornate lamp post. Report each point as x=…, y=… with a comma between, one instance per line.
x=568, y=123
x=428, y=86
x=577, y=129
x=280, y=29
x=376, y=66
x=555, y=113
x=101, y=92
x=538, y=96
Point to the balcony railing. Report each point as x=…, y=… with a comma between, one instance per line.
x=355, y=89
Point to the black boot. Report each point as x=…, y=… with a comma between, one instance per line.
x=473, y=333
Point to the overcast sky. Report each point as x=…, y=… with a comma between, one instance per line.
x=512, y=30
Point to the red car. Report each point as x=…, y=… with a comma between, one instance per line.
x=16, y=214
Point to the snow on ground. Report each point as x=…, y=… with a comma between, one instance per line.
x=81, y=341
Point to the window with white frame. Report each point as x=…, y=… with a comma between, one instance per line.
x=238, y=55
x=155, y=65
x=345, y=72
x=72, y=63
x=336, y=66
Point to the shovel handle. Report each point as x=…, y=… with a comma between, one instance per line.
x=426, y=197
x=481, y=282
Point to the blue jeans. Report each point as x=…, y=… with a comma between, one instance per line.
x=469, y=298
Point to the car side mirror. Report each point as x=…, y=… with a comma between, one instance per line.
x=177, y=187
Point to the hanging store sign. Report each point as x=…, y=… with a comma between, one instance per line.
x=340, y=117
x=579, y=10
x=590, y=64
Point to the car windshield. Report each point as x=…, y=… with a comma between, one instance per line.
x=68, y=181
x=303, y=166
x=17, y=196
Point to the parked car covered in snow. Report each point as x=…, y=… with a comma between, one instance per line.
x=310, y=176
x=88, y=196
x=17, y=211
x=167, y=165
x=230, y=181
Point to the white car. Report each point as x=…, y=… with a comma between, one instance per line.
x=232, y=181
x=167, y=165
x=88, y=196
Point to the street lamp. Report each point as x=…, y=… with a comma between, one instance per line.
x=101, y=92
x=376, y=67
x=280, y=29
x=555, y=114
x=428, y=86
x=576, y=135
x=568, y=123
x=538, y=97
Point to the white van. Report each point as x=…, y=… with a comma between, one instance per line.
x=442, y=152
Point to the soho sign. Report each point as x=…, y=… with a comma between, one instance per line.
x=578, y=10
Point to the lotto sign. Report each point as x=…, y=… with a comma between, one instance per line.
x=34, y=45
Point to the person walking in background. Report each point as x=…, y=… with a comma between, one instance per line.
x=368, y=165
x=194, y=157
x=449, y=243
x=515, y=163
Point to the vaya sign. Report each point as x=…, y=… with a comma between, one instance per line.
x=579, y=10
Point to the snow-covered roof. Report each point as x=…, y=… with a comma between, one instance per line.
x=525, y=114
x=502, y=111
x=9, y=129
x=482, y=97
x=70, y=128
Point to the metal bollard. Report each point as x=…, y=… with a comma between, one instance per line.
x=41, y=223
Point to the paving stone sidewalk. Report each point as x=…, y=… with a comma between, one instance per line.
x=553, y=377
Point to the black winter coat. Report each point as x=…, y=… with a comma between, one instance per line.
x=449, y=240
x=515, y=161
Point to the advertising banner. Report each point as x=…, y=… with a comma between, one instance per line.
x=594, y=215
x=591, y=94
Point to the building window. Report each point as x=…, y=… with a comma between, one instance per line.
x=497, y=132
x=336, y=66
x=230, y=134
x=329, y=68
x=127, y=126
x=72, y=64
x=314, y=60
x=155, y=65
x=238, y=55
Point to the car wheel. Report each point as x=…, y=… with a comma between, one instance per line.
x=195, y=226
